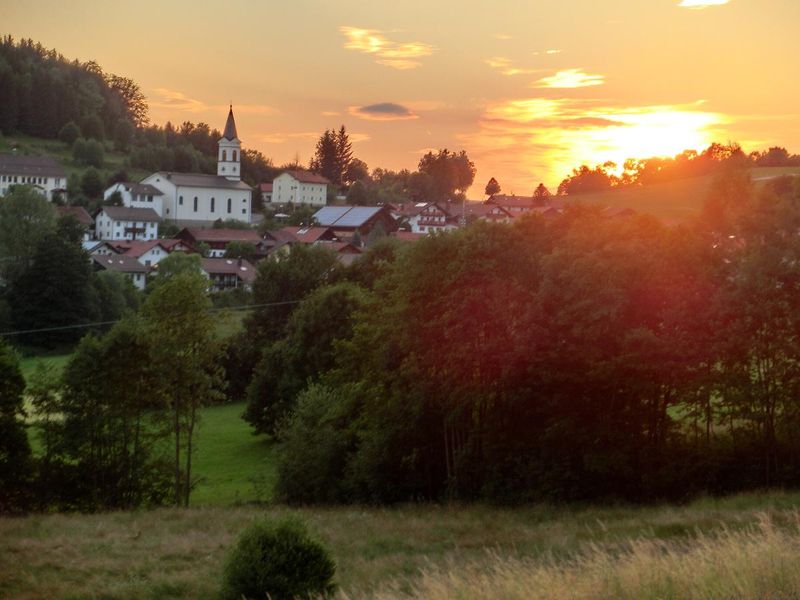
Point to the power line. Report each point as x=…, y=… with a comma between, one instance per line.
x=101, y=323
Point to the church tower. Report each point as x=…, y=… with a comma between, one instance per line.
x=229, y=157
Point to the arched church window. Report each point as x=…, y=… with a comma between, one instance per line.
x=235, y=155
x=224, y=155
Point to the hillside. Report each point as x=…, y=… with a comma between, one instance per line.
x=25, y=144
x=711, y=548
x=675, y=200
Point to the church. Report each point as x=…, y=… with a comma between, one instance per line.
x=197, y=200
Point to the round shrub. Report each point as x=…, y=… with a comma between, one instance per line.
x=279, y=561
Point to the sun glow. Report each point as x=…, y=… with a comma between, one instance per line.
x=544, y=139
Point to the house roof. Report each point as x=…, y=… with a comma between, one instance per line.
x=121, y=263
x=265, y=187
x=202, y=180
x=307, y=235
x=243, y=269
x=407, y=236
x=307, y=177
x=80, y=214
x=513, y=201
x=143, y=189
x=13, y=164
x=137, y=248
x=130, y=213
x=341, y=247
x=222, y=235
x=346, y=216
x=478, y=210
x=230, y=127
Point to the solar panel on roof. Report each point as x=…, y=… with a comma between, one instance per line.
x=328, y=215
x=357, y=216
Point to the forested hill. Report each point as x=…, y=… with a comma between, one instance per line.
x=41, y=91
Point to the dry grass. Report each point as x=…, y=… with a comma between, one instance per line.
x=425, y=551
x=761, y=562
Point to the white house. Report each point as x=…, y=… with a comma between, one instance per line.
x=197, y=200
x=41, y=172
x=149, y=253
x=300, y=187
x=126, y=223
x=138, y=195
x=127, y=265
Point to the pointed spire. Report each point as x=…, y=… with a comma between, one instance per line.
x=230, y=127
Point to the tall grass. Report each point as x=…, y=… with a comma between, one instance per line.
x=762, y=561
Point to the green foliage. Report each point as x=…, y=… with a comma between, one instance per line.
x=69, y=133
x=15, y=451
x=492, y=187
x=239, y=250
x=92, y=184
x=54, y=292
x=279, y=561
x=88, y=152
x=26, y=217
x=307, y=350
x=92, y=128
x=450, y=174
x=175, y=264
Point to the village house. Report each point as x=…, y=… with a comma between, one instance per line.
x=299, y=187
x=346, y=221
x=137, y=195
x=196, y=199
x=514, y=204
x=80, y=214
x=126, y=223
x=229, y=273
x=127, y=265
x=149, y=253
x=42, y=172
x=266, y=193
x=218, y=239
x=311, y=235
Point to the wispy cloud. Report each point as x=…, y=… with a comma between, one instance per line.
x=503, y=36
x=570, y=78
x=550, y=52
x=542, y=139
x=383, y=111
x=702, y=3
x=180, y=102
x=398, y=55
x=506, y=67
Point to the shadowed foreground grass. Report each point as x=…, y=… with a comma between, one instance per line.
x=740, y=547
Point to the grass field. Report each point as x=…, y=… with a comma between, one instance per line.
x=739, y=547
x=675, y=200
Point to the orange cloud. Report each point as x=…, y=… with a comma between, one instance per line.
x=398, y=55
x=570, y=78
x=702, y=3
x=178, y=101
x=504, y=65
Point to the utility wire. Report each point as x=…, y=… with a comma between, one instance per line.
x=241, y=307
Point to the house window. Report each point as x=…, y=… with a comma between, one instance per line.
x=212, y=205
x=244, y=211
x=180, y=200
x=195, y=204
x=229, y=206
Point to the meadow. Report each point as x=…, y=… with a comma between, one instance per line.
x=744, y=546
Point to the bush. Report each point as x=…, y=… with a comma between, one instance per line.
x=279, y=561
x=69, y=133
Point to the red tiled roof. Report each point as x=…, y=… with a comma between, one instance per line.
x=137, y=248
x=243, y=269
x=307, y=177
x=83, y=217
x=307, y=235
x=265, y=187
x=120, y=262
x=223, y=235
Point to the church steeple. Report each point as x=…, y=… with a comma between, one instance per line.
x=230, y=151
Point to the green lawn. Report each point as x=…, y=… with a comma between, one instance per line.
x=233, y=465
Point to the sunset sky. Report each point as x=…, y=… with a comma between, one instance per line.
x=528, y=88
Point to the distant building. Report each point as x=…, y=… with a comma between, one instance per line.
x=300, y=187
x=345, y=221
x=138, y=195
x=266, y=193
x=127, y=265
x=125, y=223
x=81, y=216
x=41, y=172
x=218, y=239
x=229, y=273
x=195, y=199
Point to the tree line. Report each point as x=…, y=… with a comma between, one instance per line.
x=577, y=358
